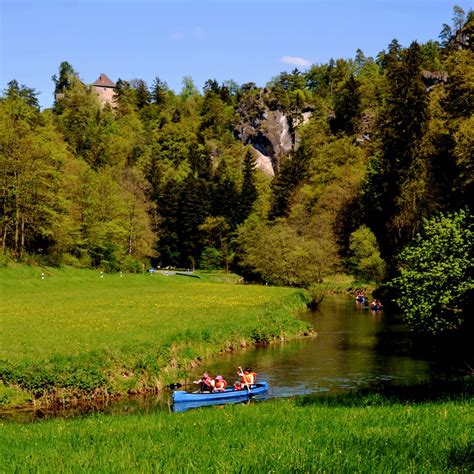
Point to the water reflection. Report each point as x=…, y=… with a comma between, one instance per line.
x=354, y=347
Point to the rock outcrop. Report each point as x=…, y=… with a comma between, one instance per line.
x=269, y=131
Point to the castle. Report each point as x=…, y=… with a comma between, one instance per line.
x=104, y=88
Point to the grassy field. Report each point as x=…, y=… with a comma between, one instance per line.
x=75, y=330
x=349, y=433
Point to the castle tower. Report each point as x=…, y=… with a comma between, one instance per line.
x=104, y=88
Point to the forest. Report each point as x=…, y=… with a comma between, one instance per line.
x=377, y=182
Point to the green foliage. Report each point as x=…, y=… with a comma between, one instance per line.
x=67, y=75
x=26, y=94
x=248, y=193
x=32, y=157
x=436, y=282
x=281, y=256
x=347, y=107
x=138, y=180
x=211, y=259
x=365, y=258
x=402, y=127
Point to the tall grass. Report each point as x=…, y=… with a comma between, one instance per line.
x=276, y=436
x=76, y=332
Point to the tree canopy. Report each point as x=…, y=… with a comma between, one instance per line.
x=436, y=281
x=376, y=147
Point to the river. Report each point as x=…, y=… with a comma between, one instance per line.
x=354, y=347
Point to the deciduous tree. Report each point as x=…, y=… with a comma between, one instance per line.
x=436, y=282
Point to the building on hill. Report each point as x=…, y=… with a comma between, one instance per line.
x=104, y=88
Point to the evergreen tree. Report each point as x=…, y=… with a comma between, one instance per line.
x=192, y=212
x=142, y=93
x=401, y=129
x=291, y=173
x=225, y=196
x=347, y=107
x=159, y=91
x=167, y=202
x=67, y=76
x=248, y=193
x=27, y=94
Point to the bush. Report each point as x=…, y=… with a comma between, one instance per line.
x=436, y=282
x=365, y=261
x=211, y=259
x=129, y=264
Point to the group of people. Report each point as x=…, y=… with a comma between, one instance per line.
x=375, y=304
x=208, y=384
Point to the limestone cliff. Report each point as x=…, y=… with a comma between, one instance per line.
x=268, y=130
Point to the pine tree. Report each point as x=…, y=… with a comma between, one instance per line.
x=225, y=196
x=142, y=93
x=248, y=193
x=347, y=107
x=401, y=129
x=159, y=91
x=192, y=212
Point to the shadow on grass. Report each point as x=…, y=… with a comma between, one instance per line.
x=390, y=394
x=463, y=458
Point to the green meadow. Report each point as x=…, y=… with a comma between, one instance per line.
x=350, y=433
x=75, y=334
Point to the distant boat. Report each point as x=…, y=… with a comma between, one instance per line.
x=376, y=307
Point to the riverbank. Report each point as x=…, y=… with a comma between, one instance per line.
x=70, y=334
x=410, y=430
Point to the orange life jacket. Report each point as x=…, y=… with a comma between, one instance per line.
x=249, y=378
x=221, y=385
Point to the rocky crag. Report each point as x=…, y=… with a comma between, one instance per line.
x=271, y=132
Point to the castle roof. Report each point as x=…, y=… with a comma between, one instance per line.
x=103, y=81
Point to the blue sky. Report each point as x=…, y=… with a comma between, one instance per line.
x=241, y=40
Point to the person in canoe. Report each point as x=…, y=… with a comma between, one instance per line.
x=248, y=378
x=360, y=296
x=220, y=384
x=206, y=382
x=376, y=305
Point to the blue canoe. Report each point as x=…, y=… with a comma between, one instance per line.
x=228, y=394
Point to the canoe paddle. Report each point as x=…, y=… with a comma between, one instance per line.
x=174, y=386
x=248, y=388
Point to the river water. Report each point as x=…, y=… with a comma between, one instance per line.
x=354, y=347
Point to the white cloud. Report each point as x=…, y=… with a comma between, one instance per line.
x=296, y=61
